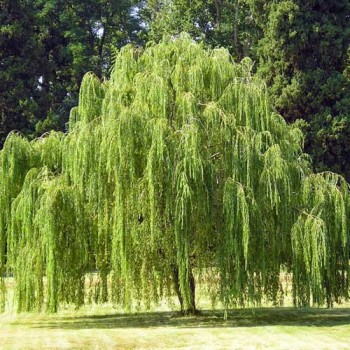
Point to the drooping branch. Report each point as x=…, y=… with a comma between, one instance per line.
x=174, y=169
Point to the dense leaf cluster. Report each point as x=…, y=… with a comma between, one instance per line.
x=174, y=170
x=303, y=56
x=45, y=49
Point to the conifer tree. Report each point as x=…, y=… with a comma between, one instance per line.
x=302, y=57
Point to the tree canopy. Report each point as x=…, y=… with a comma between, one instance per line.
x=175, y=170
x=45, y=49
x=299, y=48
x=223, y=23
x=302, y=57
x=21, y=65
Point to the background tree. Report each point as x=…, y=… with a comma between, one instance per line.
x=303, y=56
x=46, y=48
x=21, y=66
x=80, y=36
x=224, y=23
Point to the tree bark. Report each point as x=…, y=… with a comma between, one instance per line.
x=185, y=309
x=218, y=5
x=235, y=30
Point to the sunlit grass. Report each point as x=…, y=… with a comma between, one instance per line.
x=103, y=327
x=261, y=328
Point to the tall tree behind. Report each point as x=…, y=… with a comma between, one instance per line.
x=46, y=47
x=225, y=23
x=303, y=57
x=79, y=36
x=21, y=66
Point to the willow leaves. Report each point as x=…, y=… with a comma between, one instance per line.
x=175, y=169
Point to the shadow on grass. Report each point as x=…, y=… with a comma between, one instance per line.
x=256, y=317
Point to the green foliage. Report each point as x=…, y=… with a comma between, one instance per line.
x=299, y=48
x=45, y=49
x=322, y=257
x=302, y=56
x=21, y=62
x=174, y=169
x=224, y=23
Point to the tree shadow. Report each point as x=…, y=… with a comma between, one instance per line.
x=253, y=317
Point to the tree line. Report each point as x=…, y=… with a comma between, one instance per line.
x=46, y=48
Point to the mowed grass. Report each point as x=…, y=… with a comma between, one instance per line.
x=102, y=327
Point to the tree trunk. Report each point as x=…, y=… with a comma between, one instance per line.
x=235, y=30
x=192, y=307
x=189, y=309
x=218, y=5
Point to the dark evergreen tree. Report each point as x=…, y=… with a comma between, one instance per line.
x=303, y=57
x=45, y=49
x=226, y=23
x=21, y=68
x=80, y=36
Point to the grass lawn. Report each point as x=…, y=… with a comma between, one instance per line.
x=101, y=328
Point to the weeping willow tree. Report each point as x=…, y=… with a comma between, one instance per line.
x=175, y=169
